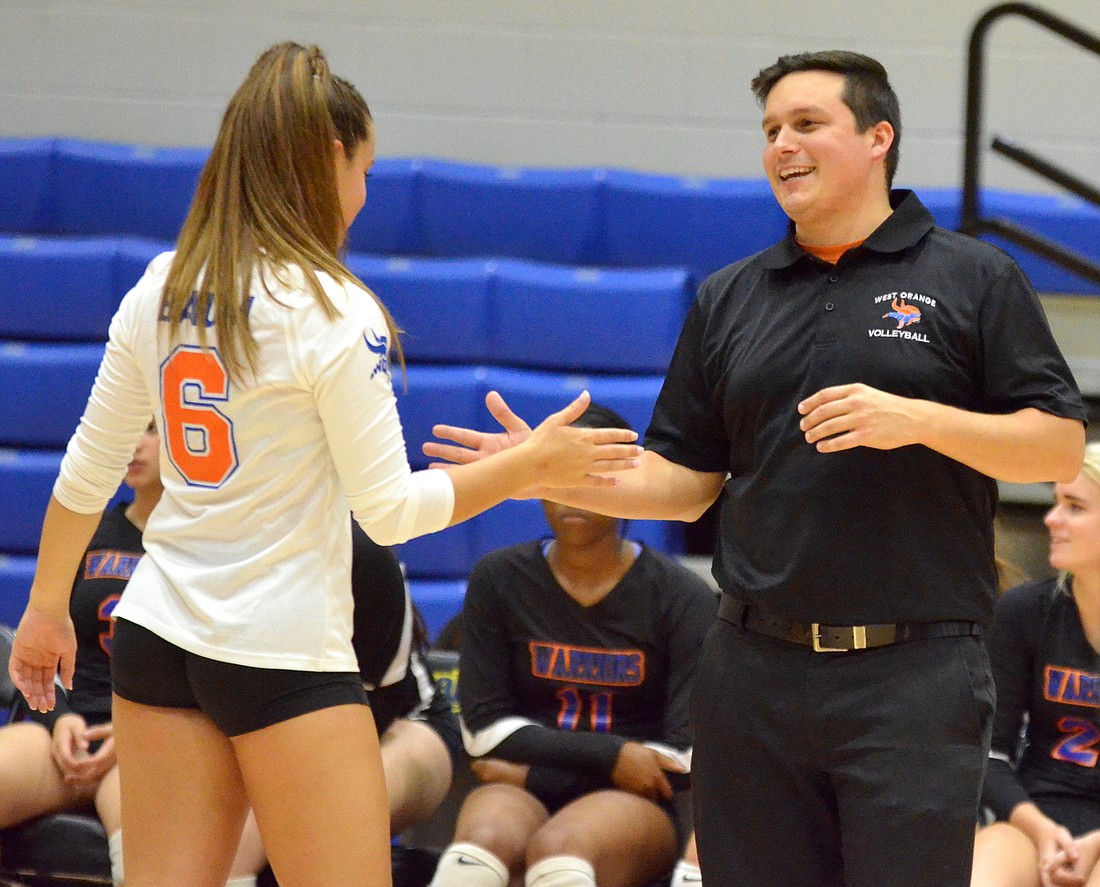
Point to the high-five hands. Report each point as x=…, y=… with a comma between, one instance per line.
x=565, y=456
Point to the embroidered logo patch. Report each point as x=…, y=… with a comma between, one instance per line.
x=905, y=312
x=381, y=347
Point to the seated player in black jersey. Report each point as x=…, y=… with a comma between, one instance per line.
x=1045, y=790
x=577, y=657
x=419, y=733
x=65, y=759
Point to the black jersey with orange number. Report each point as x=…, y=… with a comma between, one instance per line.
x=1048, y=685
x=106, y=567
x=534, y=656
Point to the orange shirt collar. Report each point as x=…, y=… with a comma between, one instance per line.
x=831, y=254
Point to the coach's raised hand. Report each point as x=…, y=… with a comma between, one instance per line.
x=566, y=456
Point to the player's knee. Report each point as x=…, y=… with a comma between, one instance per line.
x=468, y=865
x=558, y=837
x=494, y=837
x=561, y=871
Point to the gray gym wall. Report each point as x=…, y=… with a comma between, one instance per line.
x=653, y=85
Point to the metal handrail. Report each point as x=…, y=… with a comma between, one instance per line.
x=973, y=222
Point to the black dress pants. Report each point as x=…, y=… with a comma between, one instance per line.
x=859, y=769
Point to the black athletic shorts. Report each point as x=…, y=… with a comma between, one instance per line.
x=1079, y=816
x=402, y=700
x=149, y=670
x=439, y=716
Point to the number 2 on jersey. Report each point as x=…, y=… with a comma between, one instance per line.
x=197, y=435
x=1079, y=746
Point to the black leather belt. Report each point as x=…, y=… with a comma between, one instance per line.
x=839, y=638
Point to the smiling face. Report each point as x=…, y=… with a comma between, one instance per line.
x=1074, y=525
x=829, y=178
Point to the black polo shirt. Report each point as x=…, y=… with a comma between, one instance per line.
x=861, y=536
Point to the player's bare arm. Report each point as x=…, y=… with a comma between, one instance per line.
x=45, y=642
x=1026, y=446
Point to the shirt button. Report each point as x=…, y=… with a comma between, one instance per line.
x=829, y=306
x=833, y=278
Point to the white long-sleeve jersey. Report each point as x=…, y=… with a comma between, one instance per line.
x=249, y=551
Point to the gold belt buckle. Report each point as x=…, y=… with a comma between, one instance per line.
x=859, y=639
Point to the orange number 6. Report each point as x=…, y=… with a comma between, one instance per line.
x=198, y=436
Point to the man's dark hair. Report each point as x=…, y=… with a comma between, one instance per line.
x=867, y=91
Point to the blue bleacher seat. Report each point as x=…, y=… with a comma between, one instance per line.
x=43, y=391
x=945, y=204
x=26, y=186
x=57, y=289
x=124, y=189
x=551, y=215
x=26, y=481
x=587, y=319
x=389, y=223
x=447, y=554
x=1068, y=221
x=509, y=523
x=439, y=395
x=438, y=601
x=16, y=573
x=452, y=396
x=533, y=395
x=132, y=256
x=698, y=224
x=441, y=304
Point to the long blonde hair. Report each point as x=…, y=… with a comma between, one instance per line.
x=267, y=198
x=1091, y=467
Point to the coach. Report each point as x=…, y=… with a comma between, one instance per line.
x=855, y=390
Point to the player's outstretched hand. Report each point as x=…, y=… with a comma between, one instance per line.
x=470, y=445
x=566, y=456
x=44, y=644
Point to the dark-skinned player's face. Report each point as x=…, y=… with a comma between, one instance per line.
x=577, y=527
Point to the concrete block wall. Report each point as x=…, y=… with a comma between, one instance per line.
x=652, y=85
